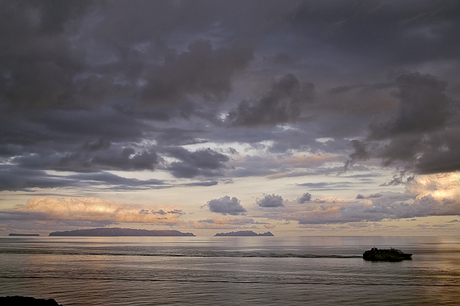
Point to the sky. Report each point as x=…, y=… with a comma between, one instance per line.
x=295, y=117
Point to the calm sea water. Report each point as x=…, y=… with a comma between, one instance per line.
x=229, y=270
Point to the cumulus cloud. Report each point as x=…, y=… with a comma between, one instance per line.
x=306, y=197
x=97, y=209
x=226, y=205
x=270, y=200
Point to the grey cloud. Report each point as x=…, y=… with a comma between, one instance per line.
x=306, y=197
x=270, y=201
x=399, y=177
x=227, y=223
x=420, y=135
x=65, y=129
x=13, y=215
x=160, y=212
x=126, y=159
x=199, y=71
x=226, y=205
x=363, y=87
x=202, y=162
x=85, y=160
x=283, y=59
x=423, y=107
x=14, y=179
x=21, y=179
x=327, y=185
x=388, y=25
x=379, y=210
x=372, y=196
x=38, y=62
x=282, y=104
x=178, y=136
x=442, y=153
x=202, y=184
x=100, y=144
x=360, y=153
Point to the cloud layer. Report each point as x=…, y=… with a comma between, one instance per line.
x=359, y=97
x=428, y=195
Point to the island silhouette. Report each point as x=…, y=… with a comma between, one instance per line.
x=244, y=233
x=116, y=231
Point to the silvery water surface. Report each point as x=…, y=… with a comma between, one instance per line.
x=229, y=270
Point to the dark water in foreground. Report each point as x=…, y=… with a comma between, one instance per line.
x=229, y=270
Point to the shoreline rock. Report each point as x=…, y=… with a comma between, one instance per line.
x=24, y=300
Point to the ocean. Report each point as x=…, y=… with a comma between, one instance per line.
x=229, y=270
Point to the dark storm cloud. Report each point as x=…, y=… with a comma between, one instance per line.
x=270, y=200
x=200, y=71
x=201, y=162
x=376, y=27
x=282, y=104
x=59, y=129
x=14, y=179
x=38, y=63
x=423, y=107
x=421, y=132
x=89, y=87
x=105, y=178
x=363, y=88
x=360, y=153
x=20, y=179
x=226, y=205
x=126, y=159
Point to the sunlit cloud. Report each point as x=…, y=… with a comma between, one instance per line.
x=97, y=209
x=432, y=195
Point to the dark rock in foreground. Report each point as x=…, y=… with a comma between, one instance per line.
x=244, y=233
x=111, y=232
x=24, y=235
x=26, y=301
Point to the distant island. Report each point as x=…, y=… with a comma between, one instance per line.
x=244, y=233
x=111, y=232
x=14, y=234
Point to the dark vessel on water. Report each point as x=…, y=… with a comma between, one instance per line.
x=386, y=255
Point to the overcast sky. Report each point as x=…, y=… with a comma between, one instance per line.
x=295, y=117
